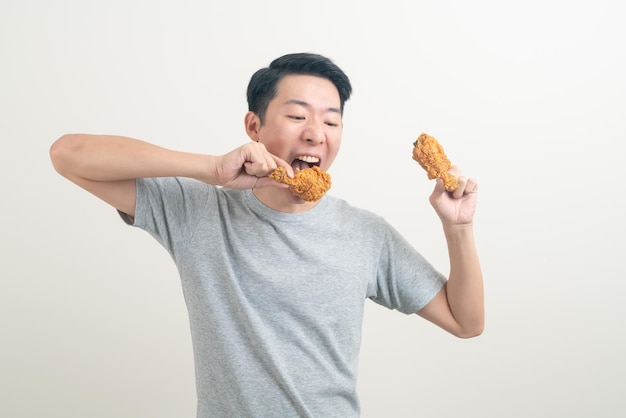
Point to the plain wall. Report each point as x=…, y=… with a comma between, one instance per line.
x=529, y=98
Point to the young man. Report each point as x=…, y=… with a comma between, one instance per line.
x=275, y=286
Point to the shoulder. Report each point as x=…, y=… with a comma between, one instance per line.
x=175, y=195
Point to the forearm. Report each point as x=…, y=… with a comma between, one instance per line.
x=465, y=285
x=113, y=158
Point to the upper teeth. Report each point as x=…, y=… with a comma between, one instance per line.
x=308, y=159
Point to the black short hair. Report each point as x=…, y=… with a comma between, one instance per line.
x=262, y=87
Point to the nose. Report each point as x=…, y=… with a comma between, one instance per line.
x=314, y=133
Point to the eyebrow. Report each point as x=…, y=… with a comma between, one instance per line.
x=308, y=105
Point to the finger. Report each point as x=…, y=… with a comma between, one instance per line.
x=455, y=170
x=259, y=162
x=472, y=186
x=282, y=163
x=269, y=160
x=263, y=163
x=439, y=193
x=269, y=164
x=438, y=190
x=254, y=167
x=460, y=190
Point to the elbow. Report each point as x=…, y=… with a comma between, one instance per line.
x=472, y=331
x=470, y=334
x=61, y=152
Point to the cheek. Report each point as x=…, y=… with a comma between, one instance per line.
x=268, y=135
x=334, y=143
x=274, y=142
x=273, y=132
x=333, y=150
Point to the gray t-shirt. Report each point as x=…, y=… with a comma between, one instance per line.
x=276, y=300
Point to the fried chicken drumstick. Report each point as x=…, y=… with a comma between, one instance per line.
x=428, y=152
x=309, y=184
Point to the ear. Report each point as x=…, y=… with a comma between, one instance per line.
x=253, y=125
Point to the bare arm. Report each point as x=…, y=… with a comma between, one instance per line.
x=459, y=306
x=107, y=165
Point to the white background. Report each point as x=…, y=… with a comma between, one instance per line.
x=528, y=97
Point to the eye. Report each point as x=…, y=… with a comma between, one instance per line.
x=294, y=117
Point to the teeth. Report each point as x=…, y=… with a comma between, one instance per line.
x=308, y=159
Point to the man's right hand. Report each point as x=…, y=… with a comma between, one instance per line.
x=247, y=167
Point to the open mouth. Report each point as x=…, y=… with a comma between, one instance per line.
x=304, y=161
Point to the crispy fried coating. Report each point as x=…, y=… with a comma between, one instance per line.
x=309, y=184
x=428, y=152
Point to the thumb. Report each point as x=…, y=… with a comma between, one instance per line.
x=438, y=191
x=440, y=187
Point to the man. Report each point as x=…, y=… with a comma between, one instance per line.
x=275, y=286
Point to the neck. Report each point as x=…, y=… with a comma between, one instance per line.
x=282, y=200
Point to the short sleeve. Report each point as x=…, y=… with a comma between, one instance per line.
x=406, y=281
x=166, y=208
